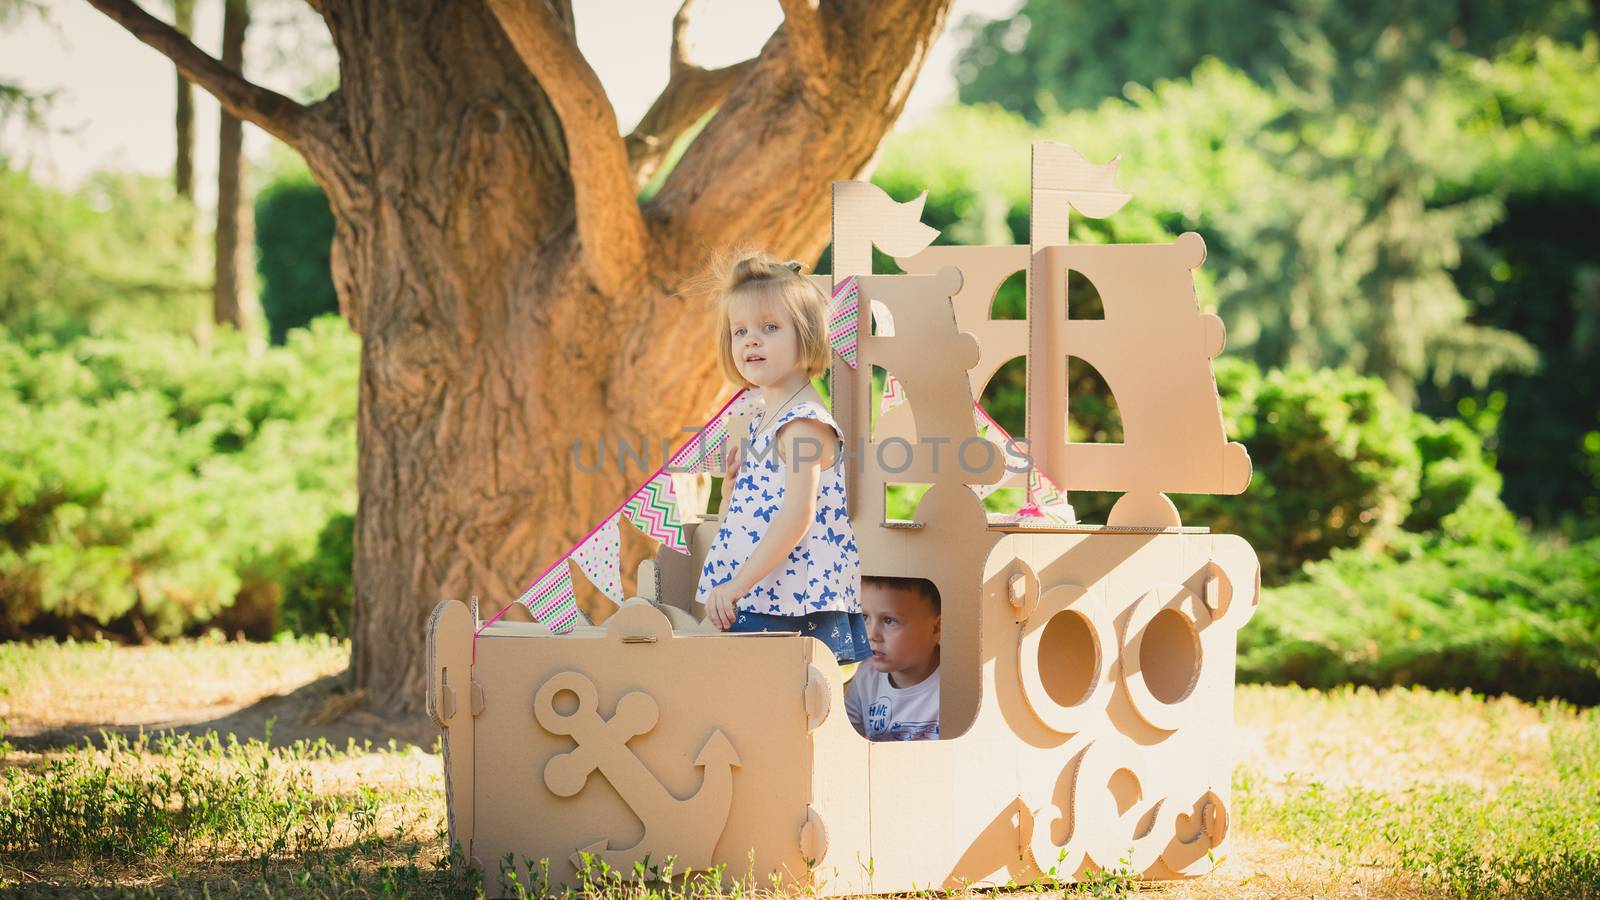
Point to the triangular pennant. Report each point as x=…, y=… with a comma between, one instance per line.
x=844, y=314
x=990, y=430
x=1046, y=500
x=704, y=451
x=551, y=599
x=599, y=559
x=653, y=509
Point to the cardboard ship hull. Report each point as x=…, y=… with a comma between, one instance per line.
x=1086, y=722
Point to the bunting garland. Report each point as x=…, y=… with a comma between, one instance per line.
x=1046, y=500
x=597, y=558
x=844, y=315
x=653, y=509
x=551, y=599
x=705, y=451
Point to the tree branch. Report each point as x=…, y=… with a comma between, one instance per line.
x=802, y=19
x=274, y=113
x=610, y=224
x=760, y=171
x=691, y=92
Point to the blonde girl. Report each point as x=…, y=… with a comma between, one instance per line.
x=785, y=557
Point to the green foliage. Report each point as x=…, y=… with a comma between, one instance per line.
x=118, y=251
x=1471, y=797
x=145, y=479
x=146, y=797
x=294, y=237
x=1516, y=617
x=1427, y=223
x=1531, y=115
x=1054, y=55
x=1334, y=465
x=319, y=594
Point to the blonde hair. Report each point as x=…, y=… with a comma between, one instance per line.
x=755, y=274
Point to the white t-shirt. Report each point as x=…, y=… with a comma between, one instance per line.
x=884, y=712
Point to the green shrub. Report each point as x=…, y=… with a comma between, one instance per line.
x=1334, y=464
x=117, y=251
x=1519, y=619
x=294, y=237
x=149, y=482
x=320, y=592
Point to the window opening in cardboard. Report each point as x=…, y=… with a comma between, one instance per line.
x=1010, y=299
x=905, y=424
x=1083, y=298
x=1092, y=414
x=1005, y=397
x=1069, y=657
x=900, y=500
x=962, y=718
x=1169, y=656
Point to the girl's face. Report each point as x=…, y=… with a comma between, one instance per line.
x=766, y=345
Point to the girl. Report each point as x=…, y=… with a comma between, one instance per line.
x=785, y=557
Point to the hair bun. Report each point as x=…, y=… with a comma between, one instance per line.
x=758, y=267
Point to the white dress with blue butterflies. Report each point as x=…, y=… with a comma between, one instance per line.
x=816, y=589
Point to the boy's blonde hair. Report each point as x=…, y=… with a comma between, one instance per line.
x=763, y=277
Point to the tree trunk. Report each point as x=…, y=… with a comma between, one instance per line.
x=233, y=300
x=183, y=168
x=510, y=294
x=487, y=350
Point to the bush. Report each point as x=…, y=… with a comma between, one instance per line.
x=1334, y=465
x=118, y=250
x=294, y=235
x=149, y=483
x=1519, y=620
x=320, y=592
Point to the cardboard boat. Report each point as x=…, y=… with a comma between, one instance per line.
x=1087, y=671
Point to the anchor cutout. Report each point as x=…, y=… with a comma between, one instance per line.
x=685, y=829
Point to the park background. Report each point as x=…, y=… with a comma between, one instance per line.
x=1399, y=203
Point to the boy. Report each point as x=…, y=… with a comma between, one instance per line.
x=895, y=695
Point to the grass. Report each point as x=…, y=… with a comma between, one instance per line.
x=1352, y=792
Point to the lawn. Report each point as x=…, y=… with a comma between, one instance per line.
x=1355, y=793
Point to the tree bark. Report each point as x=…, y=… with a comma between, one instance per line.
x=492, y=337
x=233, y=300
x=183, y=167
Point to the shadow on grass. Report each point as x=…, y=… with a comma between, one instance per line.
x=319, y=709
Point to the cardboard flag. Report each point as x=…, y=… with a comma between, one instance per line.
x=893, y=393
x=551, y=600
x=844, y=313
x=654, y=511
x=598, y=557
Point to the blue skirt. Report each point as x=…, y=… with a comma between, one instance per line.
x=844, y=633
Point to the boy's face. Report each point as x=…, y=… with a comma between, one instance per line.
x=903, y=632
x=766, y=344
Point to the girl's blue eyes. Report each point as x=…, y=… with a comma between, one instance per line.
x=770, y=326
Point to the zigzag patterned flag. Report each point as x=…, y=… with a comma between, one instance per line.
x=551, y=600
x=1045, y=499
x=653, y=509
x=844, y=314
x=893, y=393
x=990, y=431
x=597, y=558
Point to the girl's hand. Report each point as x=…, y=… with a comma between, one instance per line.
x=730, y=462
x=722, y=606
